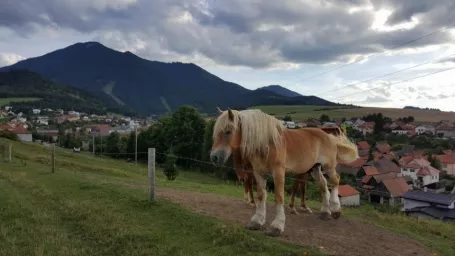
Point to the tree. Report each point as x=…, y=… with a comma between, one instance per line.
x=113, y=144
x=434, y=162
x=287, y=118
x=206, y=166
x=131, y=143
x=379, y=123
x=170, y=169
x=324, y=118
x=185, y=135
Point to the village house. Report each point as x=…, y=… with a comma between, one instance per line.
x=52, y=133
x=348, y=195
x=386, y=189
x=100, y=130
x=405, y=129
x=427, y=205
x=363, y=148
x=36, y=111
x=447, y=163
x=351, y=167
x=421, y=172
x=22, y=133
x=366, y=128
x=425, y=129
x=447, y=131
x=8, y=108
x=290, y=124
x=302, y=124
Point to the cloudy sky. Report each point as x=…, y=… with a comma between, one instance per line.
x=293, y=43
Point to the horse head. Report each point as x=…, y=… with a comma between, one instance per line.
x=226, y=136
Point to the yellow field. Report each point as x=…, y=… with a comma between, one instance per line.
x=300, y=113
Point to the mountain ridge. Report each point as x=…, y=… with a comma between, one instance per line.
x=148, y=86
x=280, y=90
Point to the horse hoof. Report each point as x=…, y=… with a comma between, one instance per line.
x=253, y=225
x=294, y=211
x=336, y=215
x=273, y=232
x=306, y=210
x=324, y=216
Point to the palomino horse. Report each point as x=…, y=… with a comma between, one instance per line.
x=244, y=172
x=271, y=148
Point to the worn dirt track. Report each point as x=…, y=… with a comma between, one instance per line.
x=335, y=237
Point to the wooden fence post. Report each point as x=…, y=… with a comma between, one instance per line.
x=53, y=158
x=10, y=150
x=151, y=173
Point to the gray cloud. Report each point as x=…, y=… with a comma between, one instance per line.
x=235, y=32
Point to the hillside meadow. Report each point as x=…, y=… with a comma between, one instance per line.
x=301, y=113
x=6, y=101
x=96, y=205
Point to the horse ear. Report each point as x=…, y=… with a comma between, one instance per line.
x=219, y=110
x=230, y=114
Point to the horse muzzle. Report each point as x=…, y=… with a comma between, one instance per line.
x=218, y=157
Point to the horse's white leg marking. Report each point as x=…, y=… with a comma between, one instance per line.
x=277, y=226
x=322, y=182
x=258, y=219
x=335, y=204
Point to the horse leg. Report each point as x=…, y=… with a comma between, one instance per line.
x=246, y=188
x=335, y=204
x=322, y=182
x=303, y=183
x=258, y=220
x=277, y=226
x=294, y=188
x=250, y=188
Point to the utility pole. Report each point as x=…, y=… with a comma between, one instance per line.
x=135, y=151
x=93, y=144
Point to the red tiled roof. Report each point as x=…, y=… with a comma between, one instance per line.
x=412, y=165
x=346, y=190
x=359, y=162
x=385, y=176
x=370, y=170
x=367, y=125
x=21, y=130
x=366, y=178
x=383, y=147
x=428, y=170
x=397, y=187
x=448, y=152
x=363, y=145
x=405, y=160
x=446, y=159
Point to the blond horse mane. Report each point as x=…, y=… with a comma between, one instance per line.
x=258, y=130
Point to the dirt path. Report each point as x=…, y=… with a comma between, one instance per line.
x=336, y=237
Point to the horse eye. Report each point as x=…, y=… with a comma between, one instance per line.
x=227, y=132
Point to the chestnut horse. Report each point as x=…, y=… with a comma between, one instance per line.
x=244, y=173
x=271, y=148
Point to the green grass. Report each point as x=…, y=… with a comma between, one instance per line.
x=6, y=101
x=91, y=204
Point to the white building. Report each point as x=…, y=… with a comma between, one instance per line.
x=36, y=111
x=421, y=172
x=348, y=195
x=425, y=128
x=290, y=125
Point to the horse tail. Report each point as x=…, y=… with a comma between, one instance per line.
x=347, y=150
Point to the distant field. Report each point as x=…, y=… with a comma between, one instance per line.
x=6, y=101
x=300, y=113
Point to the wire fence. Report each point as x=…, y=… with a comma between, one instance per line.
x=9, y=154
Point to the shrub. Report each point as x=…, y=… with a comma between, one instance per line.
x=170, y=169
x=9, y=135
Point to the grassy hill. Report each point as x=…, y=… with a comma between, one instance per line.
x=6, y=101
x=148, y=86
x=299, y=113
x=25, y=90
x=98, y=206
